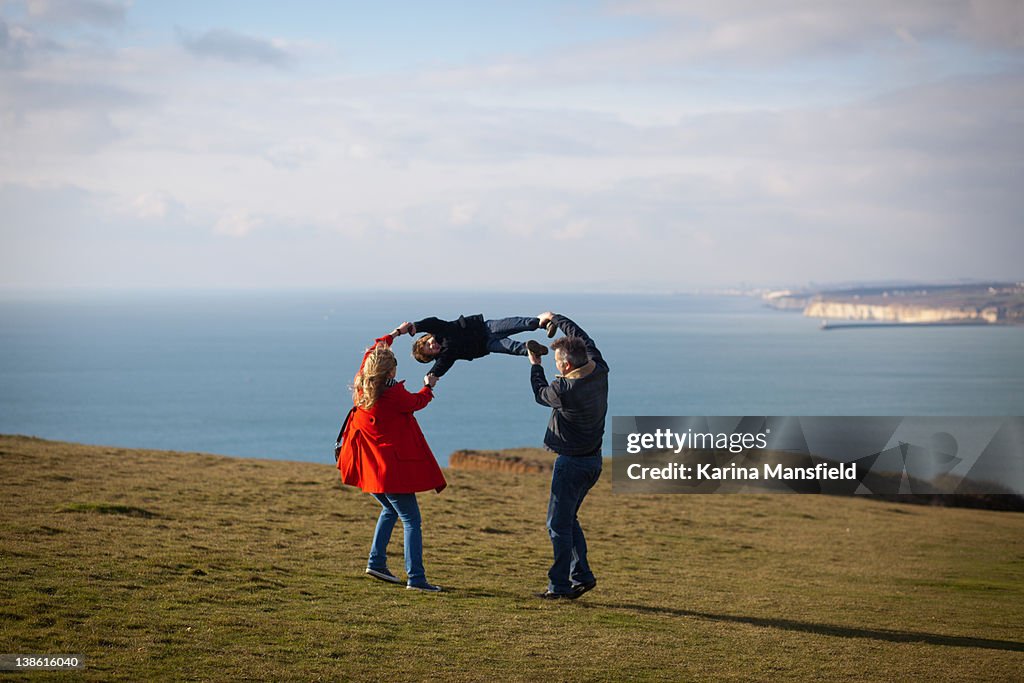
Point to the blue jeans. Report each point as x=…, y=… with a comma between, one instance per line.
x=499, y=331
x=571, y=479
x=395, y=506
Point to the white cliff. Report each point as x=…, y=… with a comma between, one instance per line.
x=901, y=313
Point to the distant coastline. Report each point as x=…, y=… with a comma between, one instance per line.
x=993, y=303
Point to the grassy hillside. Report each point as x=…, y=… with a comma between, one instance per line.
x=158, y=565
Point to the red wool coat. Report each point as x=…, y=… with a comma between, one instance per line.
x=383, y=449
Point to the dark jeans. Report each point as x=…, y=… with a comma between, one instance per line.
x=571, y=479
x=500, y=329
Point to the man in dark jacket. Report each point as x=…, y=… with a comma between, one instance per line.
x=578, y=398
x=469, y=337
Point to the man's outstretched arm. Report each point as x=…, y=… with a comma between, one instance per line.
x=571, y=329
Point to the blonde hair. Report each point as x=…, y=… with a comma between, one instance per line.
x=372, y=378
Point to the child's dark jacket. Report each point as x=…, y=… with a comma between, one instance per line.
x=462, y=339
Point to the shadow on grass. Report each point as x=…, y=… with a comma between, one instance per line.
x=833, y=630
x=109, y=509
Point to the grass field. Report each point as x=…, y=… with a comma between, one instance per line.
x=157, y=565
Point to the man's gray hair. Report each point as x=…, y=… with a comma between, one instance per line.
x=574, y=350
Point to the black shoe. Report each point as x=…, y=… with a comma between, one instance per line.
x=552, y=328
x=425, y=587
x=383, y=575
x=548, y=595
x=536, y=348
x=581, y=588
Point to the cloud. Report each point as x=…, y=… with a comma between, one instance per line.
x=463, y=213
x=235, y=47
x=360, y=151
x=42, y=93
x=43, y=116
x=794, y=27
x=290, y=155
x=571, y=231
x=42, y=208
x=94, y=12
x=996, y=22
x=237, y=223
x=18, y=44
x=61, y=135
x=156, y=205
x=671, y=41
x=647, y=155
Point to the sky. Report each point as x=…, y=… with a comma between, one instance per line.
x=628, y=145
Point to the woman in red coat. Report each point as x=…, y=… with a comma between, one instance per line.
x=385, y=454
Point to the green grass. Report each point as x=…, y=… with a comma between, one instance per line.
x=157, y=565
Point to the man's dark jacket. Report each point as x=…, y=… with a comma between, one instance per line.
x=462, y=339
x=579, y=399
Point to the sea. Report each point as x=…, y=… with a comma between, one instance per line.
x=266, y=374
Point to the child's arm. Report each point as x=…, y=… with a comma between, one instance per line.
x=431, y=325
x=442, y=365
